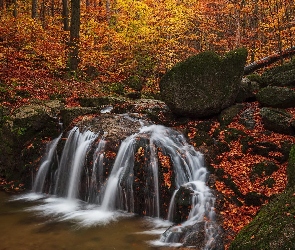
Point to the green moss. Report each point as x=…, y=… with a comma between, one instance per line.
x=204, y=84
x=270, y=182
x=283, y=75
x=273, y=227
x=291, y=168
x=263, y=168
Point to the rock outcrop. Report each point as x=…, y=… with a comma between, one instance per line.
x=204, y=84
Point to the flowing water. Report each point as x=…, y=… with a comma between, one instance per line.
x=82, y=209
x=40, y=224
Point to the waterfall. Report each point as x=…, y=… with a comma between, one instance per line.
x=154, y=172
x=44, y=167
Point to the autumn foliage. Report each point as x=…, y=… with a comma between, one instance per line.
x=130, y=43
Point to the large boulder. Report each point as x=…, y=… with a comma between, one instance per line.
x=276, y=97
x=204, y=84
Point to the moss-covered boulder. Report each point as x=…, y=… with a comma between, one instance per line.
x=22, y=138
x=204, y=84
x=291, y=168
x=273, y=227
x=283, y=75
x=276, y=97
x=277, y=120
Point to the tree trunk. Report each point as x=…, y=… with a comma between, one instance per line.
x=74, y=36
x=52, y=8
x=65, y=15
x=15, y=8
x=2, y=4
x=34, y=8
x=268, y=60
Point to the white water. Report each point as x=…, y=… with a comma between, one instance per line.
x=44, y=167
x=108, y=199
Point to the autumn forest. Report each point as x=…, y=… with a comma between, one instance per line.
x=66, y=50
x=125, y=45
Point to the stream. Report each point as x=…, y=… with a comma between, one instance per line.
x=23, y=227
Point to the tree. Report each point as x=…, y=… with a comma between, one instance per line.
x=65, y=14
x=34, y=8
x=74, y=36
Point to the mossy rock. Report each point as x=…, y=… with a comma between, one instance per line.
x=254, y=199
x=204, y=84
x=227, y=115
x=277, y=120
x=233, y=134
x=270, y=182
x=69, y=114
x=283, y=75
x=273, y=227
x=100, y=102
x=202, y=138
x=263, y=148
x=247, y=90
x=276, y=97
x=291, y=168
x=264, y=168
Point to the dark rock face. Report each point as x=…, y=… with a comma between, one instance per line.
x=276, y=97
x=277, y=120
x=204, y=84
x=22, y=138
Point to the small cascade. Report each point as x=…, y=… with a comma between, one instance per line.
x=45, y=165
x=96, y=178
x=72, y=162
x=154, y=173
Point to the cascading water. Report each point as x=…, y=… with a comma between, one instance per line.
x=154, y=171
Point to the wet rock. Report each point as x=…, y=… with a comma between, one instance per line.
x=247, y=118
x=183, y=202
x=204, y=84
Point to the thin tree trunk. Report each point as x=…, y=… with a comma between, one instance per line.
x=52, y=8
x=34, y=8
x=15, y=8
x=74, y=36
x=108, y=11
x=42, y=14
x=65, y=14
x=2, y=4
